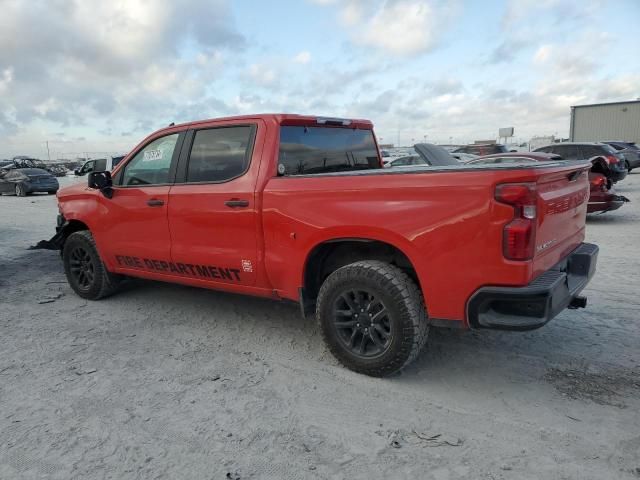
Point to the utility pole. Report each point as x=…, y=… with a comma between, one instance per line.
x=48, y=154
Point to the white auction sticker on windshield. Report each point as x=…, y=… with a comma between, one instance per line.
x=150, y=155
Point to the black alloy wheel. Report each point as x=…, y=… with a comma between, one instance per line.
x=85, y=272
x=82, y=268
x=363, y=323
x=372, y=317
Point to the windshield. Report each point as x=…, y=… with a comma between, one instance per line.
x=308, y=150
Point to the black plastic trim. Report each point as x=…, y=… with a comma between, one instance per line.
x=532, y=306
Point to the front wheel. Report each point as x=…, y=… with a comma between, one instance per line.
x=20, y=190
x=84, y=269
x=372, y=317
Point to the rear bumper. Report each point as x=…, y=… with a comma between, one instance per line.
x=606, y=203
x=532, y=306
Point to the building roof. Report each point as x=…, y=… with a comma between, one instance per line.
x=609, y=103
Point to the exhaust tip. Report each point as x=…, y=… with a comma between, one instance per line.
x=578, y=302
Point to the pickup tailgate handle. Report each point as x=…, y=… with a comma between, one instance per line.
x=154, y=202
x=236, y=203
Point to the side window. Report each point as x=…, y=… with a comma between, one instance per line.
x=219, y=154
x=151, y=165
x=587, y=151
x=571, y=152
x=88, y=167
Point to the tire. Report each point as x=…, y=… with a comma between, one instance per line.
x=626, y=163
x=372, y=287
x=51, y=192
x=84, y=269
x=20, y=190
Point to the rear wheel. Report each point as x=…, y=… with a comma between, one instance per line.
x=20, y=190
x=628, y=166
x=84, y=269
x=372, y=317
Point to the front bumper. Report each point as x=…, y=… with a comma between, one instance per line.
x=532, y=306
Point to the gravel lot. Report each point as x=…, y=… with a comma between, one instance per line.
x=164, y=381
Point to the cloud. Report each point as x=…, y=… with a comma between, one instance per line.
x=83, y=61
x=302, y=58
x=398, y=27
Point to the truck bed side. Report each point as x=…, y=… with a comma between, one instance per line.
x=445, y=220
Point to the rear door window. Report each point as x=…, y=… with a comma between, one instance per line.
x=220, y=154
x=312, y=150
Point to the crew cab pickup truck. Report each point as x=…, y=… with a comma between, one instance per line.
x=299, y=208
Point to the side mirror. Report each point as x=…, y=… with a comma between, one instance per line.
x=101, y=181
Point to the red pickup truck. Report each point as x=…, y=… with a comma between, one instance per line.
x=299, y=208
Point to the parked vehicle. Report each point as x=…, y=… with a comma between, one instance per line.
x=98, y=165
x=424, y=154
x=602, y=196
x=23, y=181
x=514, y=158
x=482, y=149
x=629, y=151
x=299, y=208
x=28, y=162
x=604, y=157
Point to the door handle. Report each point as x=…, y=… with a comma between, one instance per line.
x=154, y=202
x=236, y=203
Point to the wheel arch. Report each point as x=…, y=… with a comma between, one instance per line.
x=69, y=227
x=328, y=255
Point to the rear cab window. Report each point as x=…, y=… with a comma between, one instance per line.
x=306, y=150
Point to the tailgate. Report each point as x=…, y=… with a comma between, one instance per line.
x=563, y=196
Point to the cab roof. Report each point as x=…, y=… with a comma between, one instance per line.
x=284, y=119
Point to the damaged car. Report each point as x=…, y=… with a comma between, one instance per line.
x=602, y=196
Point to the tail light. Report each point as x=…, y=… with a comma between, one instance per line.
x=518, y=239
x=599, y=183
x=612, y=159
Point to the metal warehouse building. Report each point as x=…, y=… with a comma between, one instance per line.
x=606, y=121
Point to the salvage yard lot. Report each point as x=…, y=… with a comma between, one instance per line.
x=165, y=381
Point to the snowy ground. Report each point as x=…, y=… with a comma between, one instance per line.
x=164, y=381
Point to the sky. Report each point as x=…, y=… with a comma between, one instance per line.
x=94, y=77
